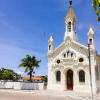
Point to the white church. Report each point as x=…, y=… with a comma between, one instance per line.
x=73, y=66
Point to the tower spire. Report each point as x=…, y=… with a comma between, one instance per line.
x=70, y=21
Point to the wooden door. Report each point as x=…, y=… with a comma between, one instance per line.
x=70, y=80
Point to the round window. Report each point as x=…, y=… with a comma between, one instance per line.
x=81, y=59
x=58, y=61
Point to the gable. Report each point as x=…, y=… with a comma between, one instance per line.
x=68, y=45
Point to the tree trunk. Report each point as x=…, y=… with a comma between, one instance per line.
x=30, y=76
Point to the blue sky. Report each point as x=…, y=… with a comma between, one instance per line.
x=26, y=25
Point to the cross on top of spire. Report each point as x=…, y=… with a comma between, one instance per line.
x=70, y=2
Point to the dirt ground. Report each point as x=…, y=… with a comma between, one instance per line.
x=13, y=95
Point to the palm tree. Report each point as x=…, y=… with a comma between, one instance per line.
x=96, y=6
x=30, y=63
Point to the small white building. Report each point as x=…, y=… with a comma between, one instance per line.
x=69, y=67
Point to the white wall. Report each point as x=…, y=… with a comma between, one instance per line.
x=21, y=85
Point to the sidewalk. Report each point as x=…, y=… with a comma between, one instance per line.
x=54, y=93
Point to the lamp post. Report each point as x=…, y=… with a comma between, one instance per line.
x=89, y=57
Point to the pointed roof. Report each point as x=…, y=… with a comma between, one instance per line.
x=71, y=13
x=91, y=30
x=51, y=39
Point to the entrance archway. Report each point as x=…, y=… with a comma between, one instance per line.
x=69, y=79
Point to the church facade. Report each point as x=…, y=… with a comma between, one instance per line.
x=73, y=66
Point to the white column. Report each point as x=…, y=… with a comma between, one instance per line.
x=49, y=76
x=75, y=79
x=63, y=81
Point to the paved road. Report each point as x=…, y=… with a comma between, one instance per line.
x=17, y=95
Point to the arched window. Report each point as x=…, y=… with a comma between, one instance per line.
x=90, y=40
x=69, y=27
x=68, y=54
x=72, y=54
x=49, y=47
x=58, y=76
x=65, y=55
x=81, y=76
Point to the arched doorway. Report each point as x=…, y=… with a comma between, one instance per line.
x=69, y=79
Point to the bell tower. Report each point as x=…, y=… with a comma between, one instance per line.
x=91, y=37
x=70, y=22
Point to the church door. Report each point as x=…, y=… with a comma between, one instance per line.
x=69, y=80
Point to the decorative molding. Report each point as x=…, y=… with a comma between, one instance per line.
x=68, y=42
x=69, y=61
x=80, y=65
x=57, y=66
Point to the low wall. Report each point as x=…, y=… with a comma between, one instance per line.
x=21, y=85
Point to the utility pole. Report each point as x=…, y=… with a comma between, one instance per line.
x=89, y=52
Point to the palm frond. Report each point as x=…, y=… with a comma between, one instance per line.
x=30, y=63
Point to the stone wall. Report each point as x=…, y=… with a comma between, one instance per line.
x=21, y=85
